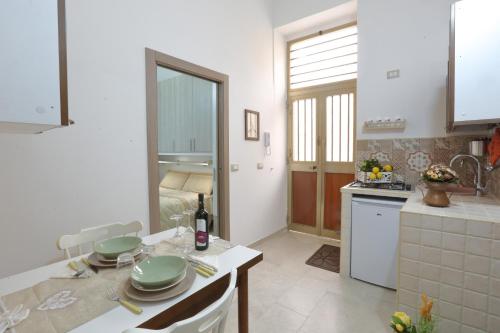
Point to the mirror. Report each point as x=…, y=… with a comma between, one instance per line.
x=474, y=61
x=187, y=146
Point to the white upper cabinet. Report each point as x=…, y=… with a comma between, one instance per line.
x=186, y=108
x=474, y=78
x=33, y=80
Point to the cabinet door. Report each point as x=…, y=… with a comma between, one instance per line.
x=203, y=111
x=183, y=112
x=33, y=87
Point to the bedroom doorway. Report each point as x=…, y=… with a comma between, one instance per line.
x=187, y=143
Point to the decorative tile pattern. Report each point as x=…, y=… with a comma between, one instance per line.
x=411, y=156
x=419, y=161
x=381, y=156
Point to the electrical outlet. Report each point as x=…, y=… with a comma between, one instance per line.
x=235, y=167
x=394, y=74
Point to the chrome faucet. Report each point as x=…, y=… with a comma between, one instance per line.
x=480, y=190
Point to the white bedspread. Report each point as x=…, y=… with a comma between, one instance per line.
x=176, y=202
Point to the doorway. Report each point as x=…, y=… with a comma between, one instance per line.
x=321, y=128
x=187, y=116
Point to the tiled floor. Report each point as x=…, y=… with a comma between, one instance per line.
x=286, y=295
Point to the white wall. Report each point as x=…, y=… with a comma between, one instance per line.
x=411, y=36
x=287, y=11
x=95, y=172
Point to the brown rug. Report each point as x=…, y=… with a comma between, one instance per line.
x=327, y=257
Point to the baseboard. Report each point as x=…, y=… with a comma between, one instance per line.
x=268, y=236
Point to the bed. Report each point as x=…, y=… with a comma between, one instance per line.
x=179, y=192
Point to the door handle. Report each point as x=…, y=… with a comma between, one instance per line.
x=314, y=167
x=379, y=214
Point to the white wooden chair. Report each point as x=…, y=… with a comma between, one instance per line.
x=211, y=319
x=94, y=234
x=119, y=229
x=67, y=242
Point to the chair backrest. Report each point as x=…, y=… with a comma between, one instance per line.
x=211, y=319
x=67, y=242
x=119, y=229
x=95, y=234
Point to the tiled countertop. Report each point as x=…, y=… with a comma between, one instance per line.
x=465, y=207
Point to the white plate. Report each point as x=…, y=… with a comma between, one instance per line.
x=168, y=286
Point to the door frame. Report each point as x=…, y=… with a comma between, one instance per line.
x=154, y=59
x=320, y=166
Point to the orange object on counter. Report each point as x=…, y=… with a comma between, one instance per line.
x=494, y=147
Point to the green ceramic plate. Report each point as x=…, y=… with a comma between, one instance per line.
x=159, y=271
x=113, y=247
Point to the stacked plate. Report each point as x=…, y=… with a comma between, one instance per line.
x=106, y=252
x=160, y=278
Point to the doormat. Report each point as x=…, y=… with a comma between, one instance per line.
x=327, y=257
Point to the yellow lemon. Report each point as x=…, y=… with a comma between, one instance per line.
x=375, y=170
x=372, y=176
x=380, y=175
x=388, y=168
x=399, y=327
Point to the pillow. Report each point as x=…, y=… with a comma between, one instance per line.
x=199, y=183
x=174, y=180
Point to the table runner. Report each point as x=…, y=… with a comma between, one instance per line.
x=60, y=305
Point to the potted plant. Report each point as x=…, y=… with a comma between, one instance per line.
x=402, y=323
x=371, y=171
x=439, y=179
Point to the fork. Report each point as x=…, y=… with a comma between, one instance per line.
x=113, y=295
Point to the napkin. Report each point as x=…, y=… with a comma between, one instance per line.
x=207, y=260
x=9, y=319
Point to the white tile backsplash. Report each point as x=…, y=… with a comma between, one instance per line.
x=478, y=246
x=453, y=242
x=456, y=262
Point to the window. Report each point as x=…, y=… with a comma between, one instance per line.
x=304, y=130
x=327, y=58
x=340, y=128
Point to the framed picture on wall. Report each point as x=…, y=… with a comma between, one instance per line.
x=252, y=125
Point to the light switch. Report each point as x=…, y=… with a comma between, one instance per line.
x=235, y=167
x=260, y=166
x=394, y=74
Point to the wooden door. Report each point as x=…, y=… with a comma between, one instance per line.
x=321, y=157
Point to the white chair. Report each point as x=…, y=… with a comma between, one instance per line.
x=119, y=229
x=211, y=319
x=94, y=234
x=67, y=242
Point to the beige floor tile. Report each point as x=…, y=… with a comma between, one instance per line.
x=286, y=295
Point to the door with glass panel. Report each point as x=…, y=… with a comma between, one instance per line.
x=322, y=77
x=321, y=131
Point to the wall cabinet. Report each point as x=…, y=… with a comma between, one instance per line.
x=33, y=80
x=186, y=107
x=474, y=79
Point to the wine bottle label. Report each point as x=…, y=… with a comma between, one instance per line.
x=201, y=233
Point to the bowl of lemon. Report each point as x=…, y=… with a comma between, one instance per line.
x=372, y=171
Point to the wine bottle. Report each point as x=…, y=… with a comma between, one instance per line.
x=201, y=232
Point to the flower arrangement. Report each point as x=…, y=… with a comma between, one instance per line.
x=439, y=173
x=402, y=323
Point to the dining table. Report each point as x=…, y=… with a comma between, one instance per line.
x=158, y=315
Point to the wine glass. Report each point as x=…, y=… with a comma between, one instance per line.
x=125, y=259
x=189, y=213
x=177, y=218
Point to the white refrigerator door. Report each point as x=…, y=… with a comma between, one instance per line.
x=374, y=242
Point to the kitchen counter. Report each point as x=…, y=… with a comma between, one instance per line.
x=472, y=208
x=376, y=192
x=452, y=254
